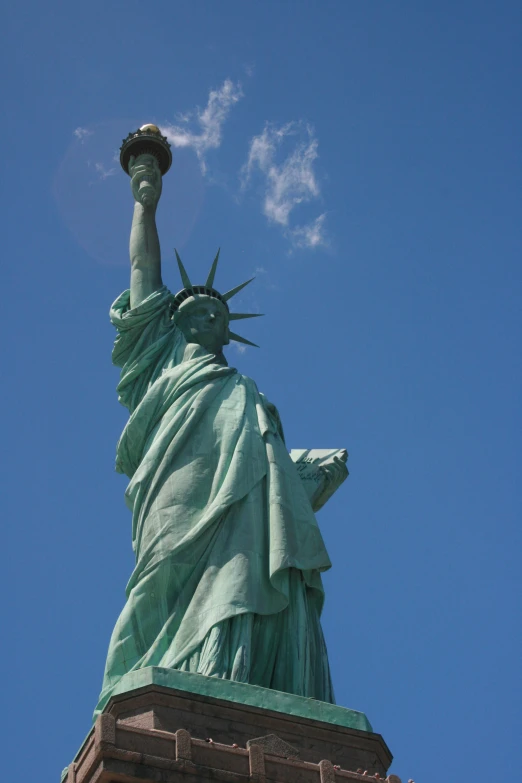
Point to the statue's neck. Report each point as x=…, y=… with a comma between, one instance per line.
x=196, y=351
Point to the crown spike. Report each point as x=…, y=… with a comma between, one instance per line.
x=239, y=339
x=236, y=290
x=212, y=273
x=240, y=316
x=183, y=272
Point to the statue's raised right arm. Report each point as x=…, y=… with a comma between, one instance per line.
x=144, y=246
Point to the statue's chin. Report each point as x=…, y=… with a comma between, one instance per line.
x=207, y=339
x=212, y=346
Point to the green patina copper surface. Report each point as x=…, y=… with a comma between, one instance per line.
x=229, y=554
x=242, y=693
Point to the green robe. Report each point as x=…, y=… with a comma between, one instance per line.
x=228, y=551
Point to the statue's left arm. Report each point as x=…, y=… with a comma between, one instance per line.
x=322, y=471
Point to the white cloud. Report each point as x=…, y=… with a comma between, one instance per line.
x=290, y=182
x=310, y=235
x=103, y=173
x=210, y=121
x=82, y=133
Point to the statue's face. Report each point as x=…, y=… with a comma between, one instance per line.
x=204, y=321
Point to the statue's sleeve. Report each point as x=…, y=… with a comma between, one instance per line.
x=274, y=416
x=146, y=338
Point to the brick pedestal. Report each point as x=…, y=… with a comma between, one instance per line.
x=163, y=734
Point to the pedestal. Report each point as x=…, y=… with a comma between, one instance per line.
x=173, y=727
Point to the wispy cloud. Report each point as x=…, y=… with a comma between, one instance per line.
x=102, y=172
x=209, y=120
x=310, y=235
x=82, y=133
x=288, y=183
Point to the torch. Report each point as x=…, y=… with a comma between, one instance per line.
x=147, y=140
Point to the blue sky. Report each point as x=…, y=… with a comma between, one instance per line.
x=363, y=160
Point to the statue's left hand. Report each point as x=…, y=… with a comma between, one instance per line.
x=336, y=471
x=322, y=472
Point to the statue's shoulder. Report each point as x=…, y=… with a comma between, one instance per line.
x=158, y=303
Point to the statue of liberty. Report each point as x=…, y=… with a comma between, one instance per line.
x=229, y=555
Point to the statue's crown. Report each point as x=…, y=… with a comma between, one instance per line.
x=208, y=289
